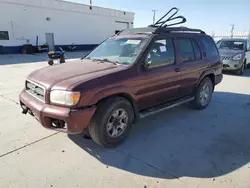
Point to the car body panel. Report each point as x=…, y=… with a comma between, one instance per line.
x=96, y=81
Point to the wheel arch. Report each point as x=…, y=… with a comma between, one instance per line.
x=123, y=92
x=208, y=73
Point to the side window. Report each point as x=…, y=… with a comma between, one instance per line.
x=186, y=50
x=197, y=51
x=210, y=47
x=248, y=44
x=161, y=53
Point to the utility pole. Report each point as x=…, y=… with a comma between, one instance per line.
x=232, y=30
x=90, y=3
x=154, y=12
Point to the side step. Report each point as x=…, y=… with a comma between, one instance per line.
x=166, y=106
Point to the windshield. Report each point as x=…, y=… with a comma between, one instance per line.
x=231, y=45
x=118, y=50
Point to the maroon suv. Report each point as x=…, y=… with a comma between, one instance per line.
x=131, y=75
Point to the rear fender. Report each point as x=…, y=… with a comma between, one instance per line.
x=204, y=74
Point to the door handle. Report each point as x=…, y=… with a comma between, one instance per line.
x=177, y=70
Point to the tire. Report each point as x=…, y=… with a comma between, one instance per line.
x=241, y=70
x=50, y=62
x=198, y=102
x=102, y=119
x=62, y=60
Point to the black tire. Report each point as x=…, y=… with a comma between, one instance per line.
x=50, y=62
x=197, y=102
x=240, y=71
x=98, y=125
x=62, y=60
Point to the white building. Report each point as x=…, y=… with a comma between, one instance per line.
x=57, y=23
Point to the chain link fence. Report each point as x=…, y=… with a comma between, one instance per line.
x=243, y=35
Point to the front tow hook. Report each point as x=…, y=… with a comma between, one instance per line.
x=25, y=109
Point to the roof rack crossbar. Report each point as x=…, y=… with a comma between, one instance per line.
x=176, y=29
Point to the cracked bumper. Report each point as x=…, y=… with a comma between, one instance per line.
x=76, y=120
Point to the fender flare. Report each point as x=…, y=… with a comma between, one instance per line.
x=204, y=74
x=122, y=91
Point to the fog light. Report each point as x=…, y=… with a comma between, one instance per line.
x=59, y=124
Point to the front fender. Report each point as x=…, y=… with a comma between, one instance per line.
x=117, y=90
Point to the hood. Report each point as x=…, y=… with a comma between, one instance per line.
x=224, y=52
x=64, y=75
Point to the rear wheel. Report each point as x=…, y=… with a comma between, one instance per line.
x=203, y=94
x=50, y=62
x=112, y=122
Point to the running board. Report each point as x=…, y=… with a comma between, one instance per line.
x=165, y=106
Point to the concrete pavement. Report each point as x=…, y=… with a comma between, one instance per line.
x=176, y=148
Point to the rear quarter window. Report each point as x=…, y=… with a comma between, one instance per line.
x=209, y=45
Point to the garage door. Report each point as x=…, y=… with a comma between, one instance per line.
x=120, y=26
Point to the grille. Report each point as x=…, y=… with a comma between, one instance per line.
x=35, y=90
x=225, y=57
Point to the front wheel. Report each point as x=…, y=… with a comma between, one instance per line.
x=241, y=70
x=203, y=94
x=112, y=122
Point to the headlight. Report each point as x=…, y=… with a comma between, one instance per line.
x=237, y=57
x=68, y=98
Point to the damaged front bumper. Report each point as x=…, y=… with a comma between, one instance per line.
x=72, y=121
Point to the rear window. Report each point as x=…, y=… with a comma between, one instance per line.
x=210, y=47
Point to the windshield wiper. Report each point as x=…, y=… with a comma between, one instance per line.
x=107, y=60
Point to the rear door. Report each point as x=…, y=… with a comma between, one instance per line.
x=160, y=81
x=192, y=64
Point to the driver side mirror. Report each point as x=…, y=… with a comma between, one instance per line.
x=146, y=63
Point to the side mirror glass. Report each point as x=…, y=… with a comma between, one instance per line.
x=147, y=62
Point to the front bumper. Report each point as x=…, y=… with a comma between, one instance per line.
x=232, y=65
x=76, y=120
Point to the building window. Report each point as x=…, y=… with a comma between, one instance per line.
x=4, y=35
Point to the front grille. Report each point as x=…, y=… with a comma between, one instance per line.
x=35, y=90
x=225, y=58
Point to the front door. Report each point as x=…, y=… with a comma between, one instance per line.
x=50, y=41
x=160, y=81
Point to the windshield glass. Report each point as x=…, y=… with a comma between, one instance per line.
x=231, y=45
x=118, y=50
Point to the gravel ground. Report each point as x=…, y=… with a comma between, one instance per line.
x=180, y=147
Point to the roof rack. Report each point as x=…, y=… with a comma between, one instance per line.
x=162, y=22
x=163, y=25
x=178, y=29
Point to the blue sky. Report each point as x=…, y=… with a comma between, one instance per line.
x=209, y=15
